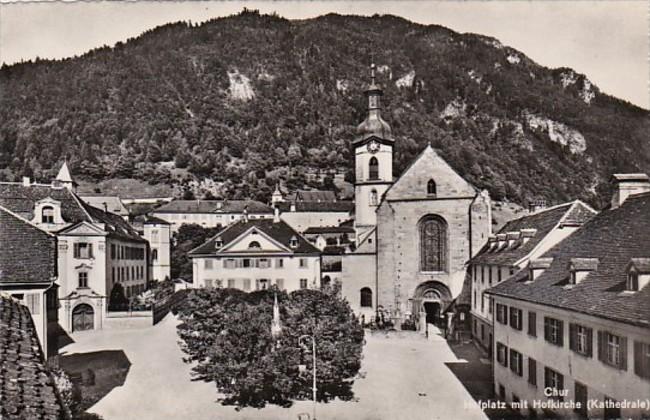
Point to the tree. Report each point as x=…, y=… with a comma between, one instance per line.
x=227, y=334
x=188, y=237
x=118, y=300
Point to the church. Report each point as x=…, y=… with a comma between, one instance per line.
x=414, y=233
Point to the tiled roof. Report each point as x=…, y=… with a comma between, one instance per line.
x=214, y=206
x=614, y=237
x=328, y=229
x=28, y=254
x=22, y=199
x=26, y=389
x=113, y=203
x=313, y=196
x=543, y=222
x=279, y=231
x=312, y=206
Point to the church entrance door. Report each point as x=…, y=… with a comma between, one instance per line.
x=432, y=310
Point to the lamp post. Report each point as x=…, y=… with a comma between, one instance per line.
x=313, y=351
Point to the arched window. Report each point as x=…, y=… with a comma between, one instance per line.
x=366, y=297
x=433, y=244
x=254, y=245
x=374, y=200
x=431, y=187
x=47, y=214
x=154, y=255
x=373, y=168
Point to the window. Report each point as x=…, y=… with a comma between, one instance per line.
x=612, y=350
x=83, y=280
x=580, y=339
x=293, y=242
x=433, y=244
x=47, y=214
x=516, y=362
x=490, y=304
x=113, y=274
x=532, y=371
x=280, y=284
x=279, y=263
x=303, y=263
x=482, y=274
x=490, y=274
x=431, y=188
x=207, y=264
x=502, y=311
x=532, y=324
x=208, y=283
x=366, y=297
x=482, y=302
x=374, y=200
x=581, y=396
x=83, y=250
x=612, y=409
x=254, y=245
x=502, y=354
x=262, y=284
x=502, y=392
x=247, y=284
x=475, y=274
x=303, y=283
x=498, y=275
x=633, y=281
x=229, y=263
x=218, y=283
x=642, y=359
x=246, y=263
x=373, y=168
x=515, y=318
x=554, y=380
x=231, y=283
x=554, y=331
x=33, y=303
x=154, y=254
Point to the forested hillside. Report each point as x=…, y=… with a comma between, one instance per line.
x=249, y=100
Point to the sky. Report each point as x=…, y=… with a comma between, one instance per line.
x=609, y=41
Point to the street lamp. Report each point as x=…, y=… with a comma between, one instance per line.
x=313, y=351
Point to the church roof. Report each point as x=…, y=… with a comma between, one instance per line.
x=614, y=237
x=28, y=253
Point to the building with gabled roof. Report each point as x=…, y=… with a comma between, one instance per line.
x=28, y=273
x=108, y=203
x=210, y=213
x=254, y=254
x=580, y=313
x=95, y=249
x=510, y=250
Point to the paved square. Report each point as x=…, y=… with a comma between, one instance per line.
x=403, y=376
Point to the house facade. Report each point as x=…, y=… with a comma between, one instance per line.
x=510, y=250
x=95, y=250
x=580, y=313
x=256, y=254
x=158, y=233
x=210, y=213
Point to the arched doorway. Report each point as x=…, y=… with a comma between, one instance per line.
x=83, y=317
x=431, y=305
x=429, y=301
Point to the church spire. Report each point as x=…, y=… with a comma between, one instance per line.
x=65, y=178
x=374, y=125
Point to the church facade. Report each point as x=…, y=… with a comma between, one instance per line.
x=415, y=233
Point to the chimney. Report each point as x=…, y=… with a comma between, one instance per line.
x=536, y=205
x=293, y=206
x=105, y=206
x=26, y=181
x=246, y=213
x=276, y=215
x=626, y=185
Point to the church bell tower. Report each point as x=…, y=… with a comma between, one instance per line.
x=373, y=155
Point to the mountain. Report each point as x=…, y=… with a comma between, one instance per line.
x=249, y=100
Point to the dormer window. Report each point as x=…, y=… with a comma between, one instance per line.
x=218, y=243
x=581, y=267
x=538, y=266
x=638, y=274
x=431, y=188
x=293, y=242
x=47, y=214
x=526, y=234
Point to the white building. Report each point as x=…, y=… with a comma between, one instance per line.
x=575, y=326
x=211, y=213
x=255, y=254
x=158, y=233
x=510, y=250
x=96, y=249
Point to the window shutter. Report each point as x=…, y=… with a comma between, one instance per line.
x=623, y=348
x=601, y=346
x=546, y=330
x=90, y=250
x=76, y=250
x=560, y=333
x=547, y=380
x=572, y=336
x=638, y=360
x=590, y=342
